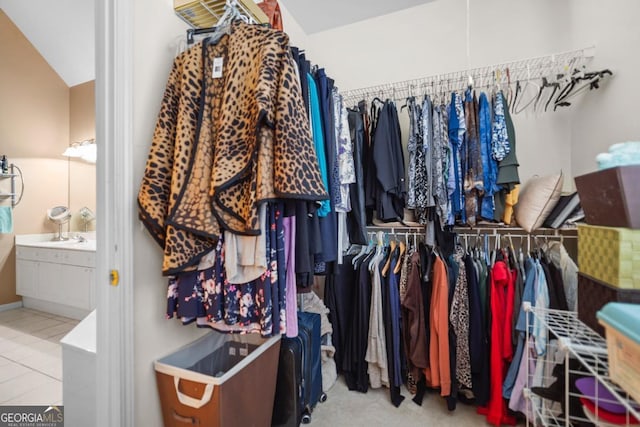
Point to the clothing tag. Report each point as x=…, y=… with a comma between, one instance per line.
x=217, y=67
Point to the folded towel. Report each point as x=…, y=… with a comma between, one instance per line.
x=6, y=219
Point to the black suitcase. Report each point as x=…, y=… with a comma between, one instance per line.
x=299, y=383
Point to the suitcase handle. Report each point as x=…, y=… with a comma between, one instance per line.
x=192, y=401
x=186, y=420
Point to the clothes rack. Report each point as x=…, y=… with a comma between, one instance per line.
x=517, y=232
x=558, y=65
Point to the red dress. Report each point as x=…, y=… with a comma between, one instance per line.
x=502, y=293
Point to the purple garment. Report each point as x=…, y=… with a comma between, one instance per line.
x=289, y=224
x=518, y=401
x=280, y=268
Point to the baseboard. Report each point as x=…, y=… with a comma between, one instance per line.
x=55, y=308
x=10, y=306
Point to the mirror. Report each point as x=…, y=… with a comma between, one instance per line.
x=59, y=215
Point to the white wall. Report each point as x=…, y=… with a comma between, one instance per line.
x=156, y=29
x=611, y=115
x=421, y=41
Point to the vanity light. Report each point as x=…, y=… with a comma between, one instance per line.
x=72, y=151
x=86, y=150
x=90, y=153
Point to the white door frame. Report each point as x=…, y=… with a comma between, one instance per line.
x=116, y=216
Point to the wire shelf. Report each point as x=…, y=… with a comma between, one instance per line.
x=481, y=77
x=590, y=349
x=206, y=13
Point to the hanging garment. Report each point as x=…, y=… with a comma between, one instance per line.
x=289, y=225
x=556, y=285
x=391, y=308
x=457, y=129
x=441, y=156
x=559, y=256
x=246, y=257
x=308, y=242
x=439, y=373
x=508, y=176
x=317, y=128
x=355, y=365
x=404, y=274
x=356, y=218
x=415, y=133
x=489, y=164
x=389, y=165
x=459, y=320
x=500, y=351
x=376, y=355
x=423, y=160
x=206, y=297
x=508, y=165
x=499, y=136
x=250, y=163
x=452, y=274
x=473, y=177
x=271, y=8
x=339, y=297
x=413, y=328
x=427, y=148
x=478, y=337
x=528, y=295
x=277, y=274
x=540, y=331
x=328, y=222
x=346, y=164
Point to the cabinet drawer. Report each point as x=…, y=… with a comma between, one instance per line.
x=59, y=256
x=38, y=254
x=80, y=258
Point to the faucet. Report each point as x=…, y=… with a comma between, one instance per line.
x=80, y=238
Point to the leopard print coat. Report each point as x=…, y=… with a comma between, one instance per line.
x=222, y=146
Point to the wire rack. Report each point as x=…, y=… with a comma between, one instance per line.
x=482, y=77
x=580, y=342
x=206, y=13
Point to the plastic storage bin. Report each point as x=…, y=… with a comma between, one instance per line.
x=623, y=345
x=220, y=380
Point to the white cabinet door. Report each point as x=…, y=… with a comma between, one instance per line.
x=48, y=284
x=26, y=278
x=76, y=285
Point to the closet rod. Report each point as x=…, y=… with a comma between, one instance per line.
x=534, y=68
x=541, y=235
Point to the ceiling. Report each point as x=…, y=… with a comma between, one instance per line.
x=63, y=31
x=320, y=15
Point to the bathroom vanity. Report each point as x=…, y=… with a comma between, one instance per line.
x=56, y=276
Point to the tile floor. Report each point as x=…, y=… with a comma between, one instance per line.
x=31, y=357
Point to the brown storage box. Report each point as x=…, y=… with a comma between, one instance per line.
x=611, y=197
x=593, y=294
x=220, y=380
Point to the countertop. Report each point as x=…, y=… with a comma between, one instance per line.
x=45, y=241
